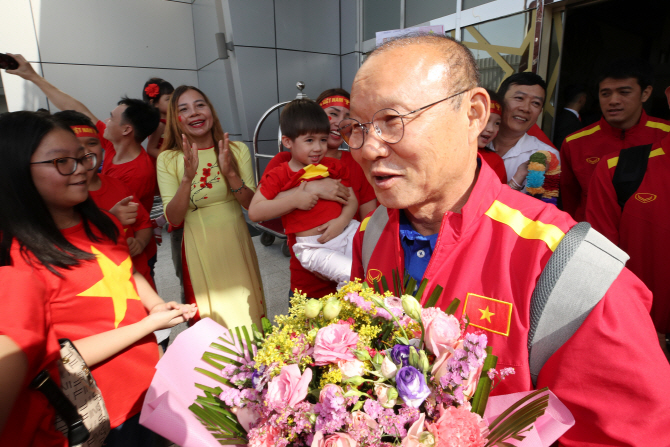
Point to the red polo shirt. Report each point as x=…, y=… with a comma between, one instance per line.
x=582, y=150
x=642, y=229
x=611, y=374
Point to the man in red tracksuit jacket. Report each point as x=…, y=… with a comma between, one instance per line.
x=487, y=244
x=622, y=90
x=641, y=228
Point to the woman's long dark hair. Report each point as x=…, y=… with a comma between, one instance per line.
x=23, y=214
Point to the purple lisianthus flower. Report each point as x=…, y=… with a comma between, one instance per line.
x=257, y=378
x=400, y=355
x=411, y=386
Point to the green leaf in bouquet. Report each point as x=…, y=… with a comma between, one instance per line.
x=518, y=417
x=267, y=326
x=376, y=287
x=422, y=288
x=402, y=340
x=451, y=309
x=481, y=396
x=215, y=391
x=437, y=291
x=358, y=405
x=258, y=336
x=250, y=348
x=210, y=358
x=221, y=428
x=385, y=284
x=364, y=285
x=215, y=376
x=410, y=286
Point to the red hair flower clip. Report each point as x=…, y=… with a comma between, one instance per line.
x=152, y=90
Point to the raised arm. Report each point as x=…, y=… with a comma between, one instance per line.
x=262, y=208
x=175, y=190
x=59, y=98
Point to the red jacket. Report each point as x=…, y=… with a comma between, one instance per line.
x=611, y=374
x=581, y=152
x=642, y=229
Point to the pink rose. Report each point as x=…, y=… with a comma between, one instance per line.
x=440, y=367
x=412, y=438
x=470, y=385
x=246, y=416
x=381, y=391
x=330, y=391
x=351, y=368
x=334, y=440
x=265, y=436
x=360, y=419
x=289, y=387
x=443, y=332
x=334, y=343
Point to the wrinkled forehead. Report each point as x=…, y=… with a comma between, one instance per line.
x=400, y=78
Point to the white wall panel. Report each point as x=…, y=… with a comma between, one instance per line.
x=100, y=88
x=318, y=71
x=205, y=27
x=258, y=76
x=252, y=26
x=349, y=68
x=308, y=25
x=146, y=33
x=23, y=95
x=214, y=81
x=17, y=32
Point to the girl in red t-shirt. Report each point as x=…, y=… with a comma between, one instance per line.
x=51, y=229
x=488, y=134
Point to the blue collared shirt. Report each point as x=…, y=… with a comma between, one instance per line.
x=418, y=249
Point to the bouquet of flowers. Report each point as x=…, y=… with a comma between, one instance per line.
x=361, y=367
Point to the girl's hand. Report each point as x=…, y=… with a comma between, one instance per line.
x=225, y=162
x=188, y=311
x=190, y=159
x=126, y=211
x=331, y=229
x=164, y=319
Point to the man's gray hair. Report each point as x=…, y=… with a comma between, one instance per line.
x=463, y=70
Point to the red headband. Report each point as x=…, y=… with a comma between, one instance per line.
x=496, y=107
x=331, y=101
x=85, y=131
x=152, y=90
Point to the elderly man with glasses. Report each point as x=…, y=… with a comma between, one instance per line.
x=416, y=113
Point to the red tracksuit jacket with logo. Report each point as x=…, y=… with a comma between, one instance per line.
x=642, y=229
x=581, y=152
x=611, y=374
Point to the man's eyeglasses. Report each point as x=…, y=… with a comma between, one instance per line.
x=68, y=165
x=387, y=123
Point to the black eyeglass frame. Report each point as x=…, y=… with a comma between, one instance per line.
x=77, y=161
x=364, y=126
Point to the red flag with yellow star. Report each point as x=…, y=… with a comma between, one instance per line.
x=488, y=313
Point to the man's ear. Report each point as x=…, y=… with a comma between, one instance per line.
x=478, y=112
x=646, y=93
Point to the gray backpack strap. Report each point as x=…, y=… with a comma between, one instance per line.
x=573, y=282
x=373, y=232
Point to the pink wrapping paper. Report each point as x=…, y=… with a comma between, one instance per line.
x=556, y=420
x=172, y=391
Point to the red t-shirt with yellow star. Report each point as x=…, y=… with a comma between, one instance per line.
x=98, y=296
x=111, y=192
x=26, y=320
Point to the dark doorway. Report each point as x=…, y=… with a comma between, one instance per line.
x=599, y=33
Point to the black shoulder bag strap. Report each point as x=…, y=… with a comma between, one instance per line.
x=630, y=171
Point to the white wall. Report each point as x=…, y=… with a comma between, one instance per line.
x=97, y=50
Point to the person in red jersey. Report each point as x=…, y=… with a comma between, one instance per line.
x=640, y=227
x=487, y=135
x=486, y=244
x=28, y=345
x=323, y=229
x=622, y=90
x=66, y=242
x=522, y=95
x=112, y=195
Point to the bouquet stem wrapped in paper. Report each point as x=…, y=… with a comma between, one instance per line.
x=366, y=366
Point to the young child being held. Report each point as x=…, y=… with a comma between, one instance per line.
x=324, y=229
x=488, y=134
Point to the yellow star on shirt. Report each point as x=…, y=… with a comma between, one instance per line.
x=486, y=314
x=115, y=284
